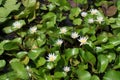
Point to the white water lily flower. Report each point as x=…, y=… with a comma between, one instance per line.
x=66, y=69
x=93, y=11
x=17, y=24
x=74, y=35
x=28, y=70
x=99, y=19
x=84, y=14
x=59, y=42
x=63, y=30
x=51, y=57
x=33, y=29
x=82, y=40
x=90, y=20
x=29, y=74
x=27, y=67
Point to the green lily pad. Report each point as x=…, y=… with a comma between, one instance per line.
x=102, y=38
x=117, y=63
x=71, y=52
x=59, y=74
x=94, y=77
x=21, y=54
x=112, y=75
x=83, y=75
x=11, y=46
x=77, y=21
x=111, y=56
x=74, y=12
x=102, y=63
x=1, y=46
x=40, y=61
x=34, y=54
x=19, y=68
x=2, y=63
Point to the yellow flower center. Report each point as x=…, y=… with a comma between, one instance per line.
x=52, y=58
x=83, y=40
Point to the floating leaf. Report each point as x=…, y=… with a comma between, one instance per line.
x=1, y=46
x=83, y=75
x=41, y=40
x=110, y=46
x=80, y=1
x=102, y=63
x=11, y=28
x=102, y=38
x=9, y=75
x=77, y=21
x=71, y=52
x=99, y=49
x=2, y=63
x=40, y=61
x=21, y=54
x=11, y=46
x=8, y=7
x=1, y=2
x=118, y=6
x=111, y=56
x=118, y=48
x=115, y=42
x=74, y=12
x=28, y=3
x=25, y=60
x=33, y=54
x=3, y=12
x=89, y=57
x=117, y=63
x=51, y=7
x=19, y=68
x=47, y=77
x=94, y=77
x=50, y=65
x=112, y=75
x=11, y=5
x=59, y=74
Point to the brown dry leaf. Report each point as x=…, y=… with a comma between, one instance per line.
x=72, y=3
x=111, y=11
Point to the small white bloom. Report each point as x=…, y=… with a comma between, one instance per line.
x=82, y=40
x=90, y=20
x=29, y=74
x=74, y=35
x=63, y=30
x=17, y=24
x=27, y=67
x=93, y=11
x=28, y=70
x=59, y=42
x=66, y=69
x=84, y=14
x=51, y=57
x=33, y=29
x=7, y=79
x=99, y=19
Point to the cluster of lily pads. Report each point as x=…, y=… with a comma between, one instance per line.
x=59, y=40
